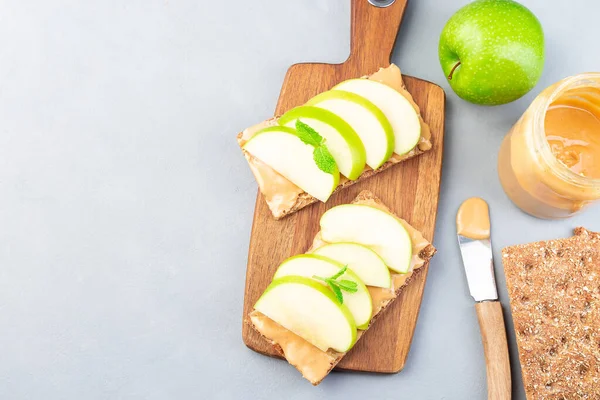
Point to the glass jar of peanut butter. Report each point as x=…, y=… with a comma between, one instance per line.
x=549, y=163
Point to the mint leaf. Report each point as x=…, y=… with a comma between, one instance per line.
x=337, y=286
x=348, y=286
x=321, y=154
x=340, y=272
x=338, y=293
x=307, y=134
x=324, y=159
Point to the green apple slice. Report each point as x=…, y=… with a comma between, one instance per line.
x=341, y=140
x=311, y=311
x=280, y=148
x=309, y=265
x=372, y=227
x=363, y=261
x=396, y=107
x=369, y=122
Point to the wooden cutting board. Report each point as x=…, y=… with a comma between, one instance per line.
x=411, y=189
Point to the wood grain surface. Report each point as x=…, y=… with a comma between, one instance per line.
x=495, y=347
x=411, y=189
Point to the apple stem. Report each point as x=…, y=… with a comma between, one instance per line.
x=452, y=72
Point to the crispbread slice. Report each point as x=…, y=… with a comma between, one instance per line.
x=313, y=363
x=554, y=289
x=296, y=198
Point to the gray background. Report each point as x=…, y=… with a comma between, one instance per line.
x=125, y=204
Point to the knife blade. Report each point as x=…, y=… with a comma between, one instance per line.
x=479, y=267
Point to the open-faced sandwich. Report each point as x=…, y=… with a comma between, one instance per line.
x=321, y=302
x=349, y=133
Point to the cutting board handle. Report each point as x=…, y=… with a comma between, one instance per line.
x=373, y=33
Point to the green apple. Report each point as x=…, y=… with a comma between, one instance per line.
x=280, y=148
x=363, y=261
x=398, y=110
x=341, y=140
x=311, y=311
x=371, y=227
x=369, y=122
x=309, y=265
x=492, y=51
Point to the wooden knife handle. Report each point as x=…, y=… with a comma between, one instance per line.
x=495, y=347
x=373, y=33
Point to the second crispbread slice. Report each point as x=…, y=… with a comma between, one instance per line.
x=313, y=363
x=554, y=289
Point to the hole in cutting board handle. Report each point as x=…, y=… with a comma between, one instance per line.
x=382, y=3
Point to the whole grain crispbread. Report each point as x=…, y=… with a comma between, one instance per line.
x=554, y=289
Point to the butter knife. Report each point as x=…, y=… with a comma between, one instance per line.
x=473, y=231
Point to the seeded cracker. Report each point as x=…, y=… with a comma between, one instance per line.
x=554, y=289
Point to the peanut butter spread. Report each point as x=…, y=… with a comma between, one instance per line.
x=313, y=363
x=282, y=196
x=473, y=219
x=572, y=128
